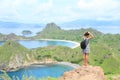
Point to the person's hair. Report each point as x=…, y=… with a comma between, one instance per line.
x=86, y=34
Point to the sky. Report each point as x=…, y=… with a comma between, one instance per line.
x=58, y=11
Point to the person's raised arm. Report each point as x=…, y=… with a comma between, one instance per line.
x=91, y=36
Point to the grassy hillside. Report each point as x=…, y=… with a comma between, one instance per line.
x=11, y=36
x=12, y=53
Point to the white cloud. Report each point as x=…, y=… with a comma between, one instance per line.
x=58, y=11
x=99, y=8
x=24, y=9
x=98, y=5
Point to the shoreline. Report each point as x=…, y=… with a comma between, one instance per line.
x=77, y=44
x=75, y=66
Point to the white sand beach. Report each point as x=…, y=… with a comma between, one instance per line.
x=77, y=43
x=75, y=66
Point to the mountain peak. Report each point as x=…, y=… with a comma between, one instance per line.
x=52, y=26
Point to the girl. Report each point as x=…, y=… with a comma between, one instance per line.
x=87, y=36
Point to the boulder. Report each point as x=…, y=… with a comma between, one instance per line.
x=116, y=78
x=85, y=73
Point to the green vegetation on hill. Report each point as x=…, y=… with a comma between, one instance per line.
x=10, y=36
x=59, y=54
x=2, y=37
x=12, y=55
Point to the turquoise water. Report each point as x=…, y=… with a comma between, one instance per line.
x=2, y=42
x=43, y=43
x=43, y=71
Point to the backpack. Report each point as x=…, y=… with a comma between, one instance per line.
x=83, y=44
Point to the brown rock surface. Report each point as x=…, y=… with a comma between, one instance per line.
x=116, y=78
x=85, y=73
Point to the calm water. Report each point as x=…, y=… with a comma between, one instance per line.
x=2, y=42
x=42, y=71
x=43, y=43
x=39, y=71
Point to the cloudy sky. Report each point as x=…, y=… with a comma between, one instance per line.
x=44, y=11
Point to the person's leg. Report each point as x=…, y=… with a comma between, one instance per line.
x=87, y=58
x=84, y=58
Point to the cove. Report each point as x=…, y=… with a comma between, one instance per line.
x=43, y=43
x=41, y=71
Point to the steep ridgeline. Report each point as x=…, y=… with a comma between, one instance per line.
x=53, y=31
x=10, y=36
x=12, y=55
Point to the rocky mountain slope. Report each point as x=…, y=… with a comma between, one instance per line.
x=12, y=55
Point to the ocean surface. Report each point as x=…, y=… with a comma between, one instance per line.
x=40, y=71
x=43, y=43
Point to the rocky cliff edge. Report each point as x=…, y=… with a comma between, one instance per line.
x=85, y=73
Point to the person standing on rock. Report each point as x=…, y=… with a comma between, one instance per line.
x=87, y=37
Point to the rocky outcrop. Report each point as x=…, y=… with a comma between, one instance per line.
x=85, y=73
x=116, y=78
x=16, y=62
